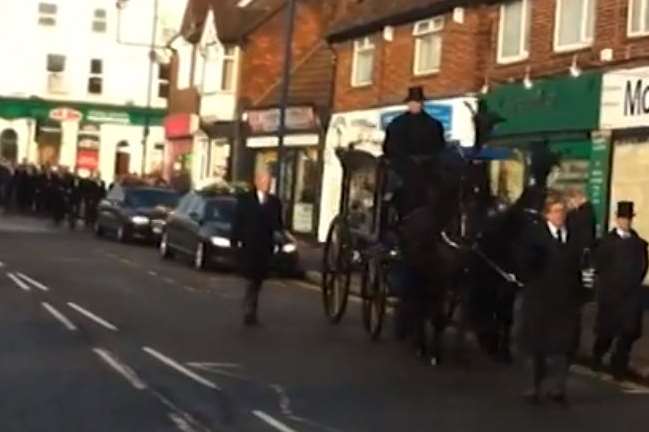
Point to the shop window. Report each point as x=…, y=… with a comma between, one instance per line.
x=514, y=32
x=229, y=69
x=363, y=63
x=9, y=145
x=163, y=81
x=638, y=17
x=574, y=24
x=428, y=46
x=99, y=21
x=47, y=14
x=95, y=82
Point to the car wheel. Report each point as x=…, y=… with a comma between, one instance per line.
x=165, y=249
x=200, y=256
x=122, y=234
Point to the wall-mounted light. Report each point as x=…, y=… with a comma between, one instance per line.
x=388, y=33
x=575, y=70
x=527, y=81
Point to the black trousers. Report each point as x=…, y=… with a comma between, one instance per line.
x=251, y=299
x=622, y=354
x=540, y=371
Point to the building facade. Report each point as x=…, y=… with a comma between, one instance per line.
x=78, y=95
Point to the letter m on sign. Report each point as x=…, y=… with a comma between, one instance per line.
x=633, y=98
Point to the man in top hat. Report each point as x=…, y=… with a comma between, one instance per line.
x=410, y=137
x=621, y=267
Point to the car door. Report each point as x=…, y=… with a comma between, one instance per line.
x=175, y=222
x=190, y=225
x=110, y=208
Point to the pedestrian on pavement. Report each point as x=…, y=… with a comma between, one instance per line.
x=550, y=270
x=258, y=218
x=620, y=267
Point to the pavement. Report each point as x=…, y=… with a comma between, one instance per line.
x=100, y=336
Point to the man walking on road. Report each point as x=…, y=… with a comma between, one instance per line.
x=258, y=217
x=620, y=266
x=550, y=269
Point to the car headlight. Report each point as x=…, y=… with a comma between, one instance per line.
x=289, y=248
x=221, y=242
x=140, y=220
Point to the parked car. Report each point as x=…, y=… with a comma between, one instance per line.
x=200, y=228
x=130, y=212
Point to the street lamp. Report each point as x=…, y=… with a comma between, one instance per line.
x=120, y=5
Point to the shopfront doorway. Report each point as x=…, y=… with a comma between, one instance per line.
x=9, y=145
x=49, y=145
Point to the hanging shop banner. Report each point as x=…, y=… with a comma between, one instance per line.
x=65, y=114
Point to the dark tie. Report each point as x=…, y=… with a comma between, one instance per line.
x=558, y=237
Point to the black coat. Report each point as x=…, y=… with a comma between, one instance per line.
x=551, y=297
x=621, y=266
x=254, y=228
x=582, y=224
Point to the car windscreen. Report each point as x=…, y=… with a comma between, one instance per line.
x=152, y=198
x=220, y=210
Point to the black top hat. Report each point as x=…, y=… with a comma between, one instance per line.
x=415, y=94
x=625, y=209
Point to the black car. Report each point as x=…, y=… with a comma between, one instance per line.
x=200, y=228
x=131, y=211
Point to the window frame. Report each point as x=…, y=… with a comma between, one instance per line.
x=164, y=75
x=360, y=45
x=229, y=57
x=51, y=57
x=585, y=42
x=526, y=22
x=96, y=77
x=99, y=20
x=436, y=27
x=43, y=16
x=644, y=30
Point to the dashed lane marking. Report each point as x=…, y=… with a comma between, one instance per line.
x=2, y=264
x=99, y=320
x=59, y=316
x=627, y=387
x=33, y=282
x=125, y=371
x=272, y=422
x=152, y=273
x=169, y=280
x=180, y=368
x=22, y=285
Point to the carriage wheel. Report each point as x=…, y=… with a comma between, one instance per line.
x=374, y=297
x=336, y=270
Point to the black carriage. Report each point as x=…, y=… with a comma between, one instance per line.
x=358, y=244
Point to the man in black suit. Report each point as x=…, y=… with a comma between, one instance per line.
x=550, y=269
x=621, y=267
x=258, y=217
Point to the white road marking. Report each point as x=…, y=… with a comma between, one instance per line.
x=125, y=371
x=182, y=424
x=626, y=387
x=207, y=365
x=169, y=280
x=93, y=317
x=59, y=316
x=272, y=422
x=152, y=273
x=189, y=288
x=34, y=283
x=22, y=285
x=180, y=368
x=2, y=264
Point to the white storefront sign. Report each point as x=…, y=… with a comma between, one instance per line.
x=625, y=99
x=365, y=130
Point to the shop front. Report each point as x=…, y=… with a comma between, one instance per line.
x=79, y=136
x=301, y=164
x=365, y=129
x=559, y=115
x=625, y=116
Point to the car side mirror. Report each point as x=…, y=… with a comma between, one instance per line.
x=195, y=217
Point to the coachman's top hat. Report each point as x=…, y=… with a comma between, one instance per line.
x=415, y=94
x=625, y=209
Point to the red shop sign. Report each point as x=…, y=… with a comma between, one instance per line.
x=87, y=159
x=180, y=125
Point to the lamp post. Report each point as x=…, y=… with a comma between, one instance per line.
x=121, y=4
x=283, y=102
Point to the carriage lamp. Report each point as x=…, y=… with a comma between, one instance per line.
x=221, y=242
x=289, y=248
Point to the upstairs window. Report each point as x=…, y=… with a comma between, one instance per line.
x=47, y=14
x=574, y=25
x=428, y=45
x=96, y=81
x=229, y=68
x=99, y=21
x=363, y=62
x=163, y=81
x=514, y=32
x=638, y=17
x=55, y=63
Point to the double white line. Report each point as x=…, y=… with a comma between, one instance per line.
x=26, y=283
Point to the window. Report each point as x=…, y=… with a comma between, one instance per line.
x=363, y=63
x=55, y=63
x=574, y=25
x=514, y=33
x=95, y=82
x=99, y=23
x=163, y=81
x=638, y=17
x=428, y=45
x=47, y=14
x=229, y=66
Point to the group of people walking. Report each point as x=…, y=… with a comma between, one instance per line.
x=51, y=192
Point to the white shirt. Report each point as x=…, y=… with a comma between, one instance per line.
x=261, y=197
x=558, y=232
x=622, y=234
